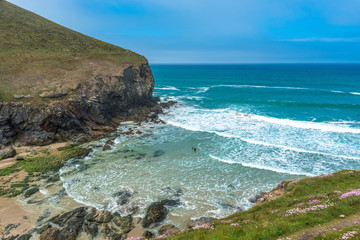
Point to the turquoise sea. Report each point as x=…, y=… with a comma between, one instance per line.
x=253, y=126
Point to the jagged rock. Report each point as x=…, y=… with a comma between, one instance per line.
x=63, y=219
x=92, y=228
x=199, y=221
x=108, y=145
x=157, y=212
x=158, y=153
x=50, y=233
x=102, y=217
x=168, y=104
x=24, y=237
x=124, y=223
x=70, y=225
x=7, y=153
x=168, y=230
x=31, y=191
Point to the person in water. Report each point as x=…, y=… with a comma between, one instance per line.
x=194, y=149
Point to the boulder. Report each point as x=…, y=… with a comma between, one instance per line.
x=157, y=212
x=9, y=152
x=31, y=191
x=108, y=145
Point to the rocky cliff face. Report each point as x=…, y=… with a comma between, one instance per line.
x=94, y=108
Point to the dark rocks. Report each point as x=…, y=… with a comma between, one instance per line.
x=24, y=237
x=62, y=220
x=84, y=153
x=157, y=212
x=70, y=225
x=148, y=235
x=108, y=145
x=50, y=233
x=158, y=153
x=124, y=223
x=102, y=217
x=20, y=158
x=168, y=104
x=92, y=228
x=168, y=230
x=122, y=197
x=196, y=222
x=7, y=153
x=31, y=191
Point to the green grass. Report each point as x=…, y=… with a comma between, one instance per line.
x=43, y=163
x=268, y=220
x=38, y=164
x=39, y=55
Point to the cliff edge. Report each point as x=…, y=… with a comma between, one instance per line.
x=58, y=85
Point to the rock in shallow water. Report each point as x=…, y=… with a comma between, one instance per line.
x=157, y=212
x=31, y=191
x=158, y=153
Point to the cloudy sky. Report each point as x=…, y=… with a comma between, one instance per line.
x=214, y=31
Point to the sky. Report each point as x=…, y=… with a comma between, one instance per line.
x=216, y=31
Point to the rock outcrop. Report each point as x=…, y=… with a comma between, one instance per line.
x=101, y=103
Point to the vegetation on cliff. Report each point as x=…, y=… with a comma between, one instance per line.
x=323, y=207
x=37, y=55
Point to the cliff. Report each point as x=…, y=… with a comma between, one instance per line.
x=57, y=84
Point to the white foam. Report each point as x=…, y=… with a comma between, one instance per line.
x=335, y=91
x=170, y=88
x=257, y=86
x=325, y=127
x=355, y=93
x=297, y=149
x=260, y=166
x=203, y=89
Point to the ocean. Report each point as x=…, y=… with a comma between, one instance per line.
x=253, y=126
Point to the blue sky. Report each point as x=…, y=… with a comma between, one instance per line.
x=214, y=31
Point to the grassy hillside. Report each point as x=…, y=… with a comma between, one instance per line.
x=324, y=207
x=38, y=55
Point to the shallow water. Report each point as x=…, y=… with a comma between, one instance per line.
x=253, y=126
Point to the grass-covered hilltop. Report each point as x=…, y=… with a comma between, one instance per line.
x=57, y=84
x=38, y=55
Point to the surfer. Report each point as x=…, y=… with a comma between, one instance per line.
x=194, y=149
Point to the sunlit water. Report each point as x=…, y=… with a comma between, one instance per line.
x=253, y=126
